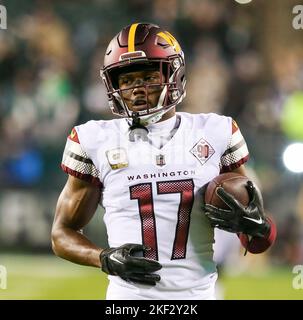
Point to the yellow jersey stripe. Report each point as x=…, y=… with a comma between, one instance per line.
x=131, y=37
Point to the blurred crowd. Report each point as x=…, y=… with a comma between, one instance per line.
x=242, y=61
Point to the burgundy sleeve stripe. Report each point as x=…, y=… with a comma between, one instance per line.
x=77, y=157
x=82, y=176
x=235, y=165
x=235, y=156
x=234, y=148
x=235, y=138
x=81, y=167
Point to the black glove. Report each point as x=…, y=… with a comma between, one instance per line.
x=122, y=262
x=250, y=220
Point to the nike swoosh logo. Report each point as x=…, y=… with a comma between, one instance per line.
x=112, y=257
x=258, y=221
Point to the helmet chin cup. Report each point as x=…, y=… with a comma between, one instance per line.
x=152, y=118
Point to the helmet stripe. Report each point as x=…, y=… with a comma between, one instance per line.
x=131, y=37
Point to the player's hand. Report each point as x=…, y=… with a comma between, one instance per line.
x=250, y=220
x=122, y=262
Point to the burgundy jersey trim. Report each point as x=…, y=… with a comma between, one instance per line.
x=236, y=152
x=77, y=160
x=82, y=176
x=234, y=166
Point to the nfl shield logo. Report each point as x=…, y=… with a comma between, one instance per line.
x=160, y=160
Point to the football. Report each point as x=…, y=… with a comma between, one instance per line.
x=233, y=183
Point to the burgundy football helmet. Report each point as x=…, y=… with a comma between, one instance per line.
x=140, y=46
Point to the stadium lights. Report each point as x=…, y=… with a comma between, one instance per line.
x=292, y=157
x=243, y=1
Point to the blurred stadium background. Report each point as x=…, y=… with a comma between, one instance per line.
x=245, y=61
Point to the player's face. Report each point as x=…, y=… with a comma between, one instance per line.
x=141, y=89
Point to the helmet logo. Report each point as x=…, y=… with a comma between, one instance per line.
x=170, y=39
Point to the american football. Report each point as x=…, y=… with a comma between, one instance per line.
x=233, y=183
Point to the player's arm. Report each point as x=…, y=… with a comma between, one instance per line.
x=258, y=244
x=256, y=231
x=76, y=205
x=249, y=223
x=241, y=170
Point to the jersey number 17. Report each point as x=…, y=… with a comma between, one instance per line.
x=143, y=194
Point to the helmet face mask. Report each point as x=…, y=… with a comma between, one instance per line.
x=155, y=49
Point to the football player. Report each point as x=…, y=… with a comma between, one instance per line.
x=147, y=170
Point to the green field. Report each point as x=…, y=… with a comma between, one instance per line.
x=48, y=277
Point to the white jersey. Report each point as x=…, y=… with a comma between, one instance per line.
x=151, y=196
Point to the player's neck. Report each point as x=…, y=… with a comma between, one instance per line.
x=166, y=125
x=167, y=122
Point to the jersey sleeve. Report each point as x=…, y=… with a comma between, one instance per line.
x=236, y=152
x=77, y=163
